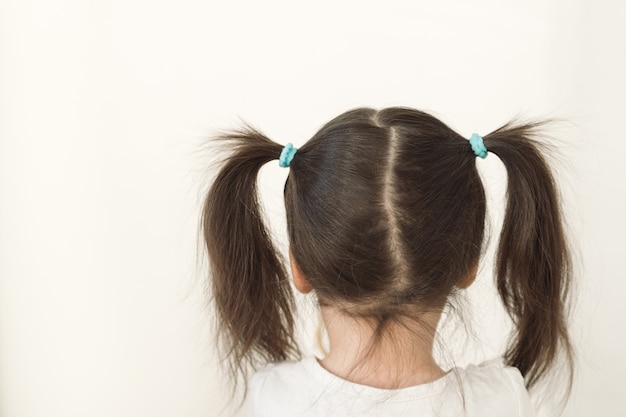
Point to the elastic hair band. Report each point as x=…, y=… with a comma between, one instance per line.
x=286, y=155
x=478, y=146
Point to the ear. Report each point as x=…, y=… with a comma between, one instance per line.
x=468, y=279
x=299, y=280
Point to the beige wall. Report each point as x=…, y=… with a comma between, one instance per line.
x=103, y=106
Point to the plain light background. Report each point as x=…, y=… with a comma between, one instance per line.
x=104, y=105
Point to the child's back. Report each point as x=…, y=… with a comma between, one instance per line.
x=305, y=388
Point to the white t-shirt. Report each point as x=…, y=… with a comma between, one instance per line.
x=305, y=388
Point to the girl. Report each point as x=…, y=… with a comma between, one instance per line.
x=385, y=217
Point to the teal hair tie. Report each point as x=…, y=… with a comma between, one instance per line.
x=286, y=155
x=478, y=146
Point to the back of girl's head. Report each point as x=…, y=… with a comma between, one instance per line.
x=384, y=210
x=386, y=215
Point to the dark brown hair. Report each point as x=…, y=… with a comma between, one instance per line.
x=385, y=210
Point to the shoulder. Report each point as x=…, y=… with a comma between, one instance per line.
x=275, y=386
x=495, y=386
x=279, y=374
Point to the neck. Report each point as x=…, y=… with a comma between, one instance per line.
x=401, y=357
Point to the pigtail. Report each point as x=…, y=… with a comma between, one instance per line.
x=249, y=282
x=533, y=266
